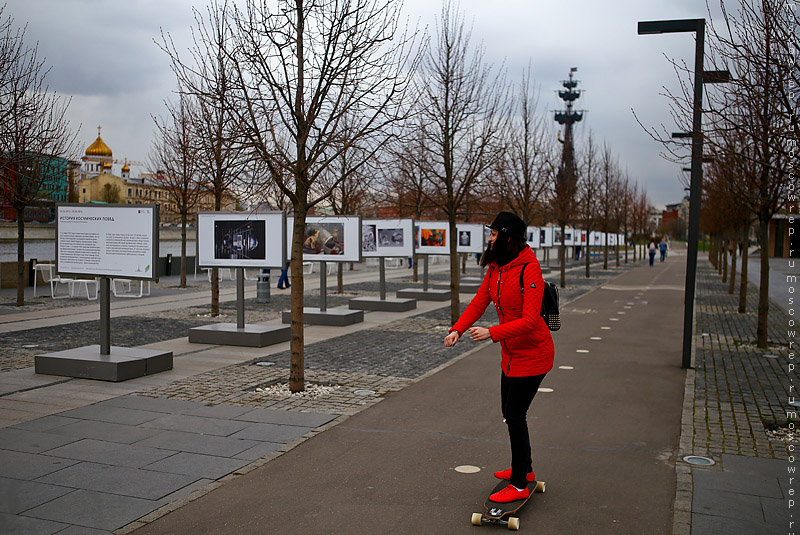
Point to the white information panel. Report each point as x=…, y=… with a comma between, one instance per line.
x=334, y=238
x=432, y=237
x=545, y=236
x=240, y=239
x=583, y=237
x=470, y=237
x=556, y=236
x=612, y=240
x=108, y=240
x=569, y=237
x=596, y=238
x=387, y=238
x=534, y=238
x=621, y=239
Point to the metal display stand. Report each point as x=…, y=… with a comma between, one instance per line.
x=335, y=317
x=104, y=361
x=239, y=333
x=425, y=294
x=383, y=304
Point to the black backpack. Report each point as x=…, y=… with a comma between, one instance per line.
x=549, y=312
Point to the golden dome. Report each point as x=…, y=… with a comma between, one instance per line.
x=125, y=168
x=98, y=148
x=106, y=165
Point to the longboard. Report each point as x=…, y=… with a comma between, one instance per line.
x=502, y=513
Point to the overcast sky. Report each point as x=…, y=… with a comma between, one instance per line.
x=102, y=54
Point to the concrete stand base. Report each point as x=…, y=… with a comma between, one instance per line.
x=87, y=363
x=464, y=287
x=332, y=317
x=390, y=304
x=227, y=334
x=423, y=295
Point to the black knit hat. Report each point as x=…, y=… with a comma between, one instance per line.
x=510, y=224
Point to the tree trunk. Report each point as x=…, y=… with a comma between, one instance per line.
x=588, y=254
x=339, y=278
x=724, y=261
x=732, y=287
x=743, y=285
x=214, y=292
x=616, y=253
x=455, y=303
x=763, y=290
x=562, y=256
x=415, y=271
x=297, y=378
x=605, y=253
x=20, y=257
x=183, y=251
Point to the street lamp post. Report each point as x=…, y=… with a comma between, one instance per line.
x=695, y=182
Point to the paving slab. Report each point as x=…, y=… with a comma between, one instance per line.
x=118, y=480
x=17, y=496
x=271, y=416
x=90, y=509
x=111, y=414
x=195, y=443
x=196, y=465
x=737, y=483
x=45, y=423
x=20, y=525
x=145, y=403
x=29, y=466
x=196, y=424
x=258, y=451
x=31, y=441
x=282, y=434
x=717, y=525
x=110, y=453
x=109, y=432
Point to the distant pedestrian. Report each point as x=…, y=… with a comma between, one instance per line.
x=283, y=280
x=526, y=345
x=651, y=249
x=662, y=247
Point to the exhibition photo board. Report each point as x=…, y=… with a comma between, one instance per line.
x=545, y=237
x=241, y=239
x=470, y=237
x=328, y=238
x=108, y=240
x=432, y=237
x=533, y=237
x=387, y=238
x=569, y=236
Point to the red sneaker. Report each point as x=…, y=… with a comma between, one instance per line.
x=506, y=474
x=510, y=494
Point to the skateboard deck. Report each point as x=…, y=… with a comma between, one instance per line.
x=503, y=513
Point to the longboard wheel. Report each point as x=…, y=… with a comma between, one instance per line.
x=477, y=519
x=540, y=486
x=513, y=523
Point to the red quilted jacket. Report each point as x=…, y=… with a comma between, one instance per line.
x=527, y=347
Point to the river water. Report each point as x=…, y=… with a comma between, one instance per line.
x=46, y=249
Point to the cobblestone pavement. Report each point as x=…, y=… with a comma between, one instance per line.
x=381, y=359
x=741, y=391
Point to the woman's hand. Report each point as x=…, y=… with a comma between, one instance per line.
x=451, y=339
x=479, y=334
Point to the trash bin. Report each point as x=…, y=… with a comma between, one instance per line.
x=262, y=287
x=169, y=265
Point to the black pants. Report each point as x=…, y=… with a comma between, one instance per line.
x=517, y=394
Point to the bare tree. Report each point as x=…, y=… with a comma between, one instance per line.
x=35, y=137
x=318, y=79
x=525, y=174
x=209, y=75
x=174, y=160
x=748, y=44
x=609, y=173
x=589, y=189
x=461, y=105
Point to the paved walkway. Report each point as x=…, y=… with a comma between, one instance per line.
x=216, y=445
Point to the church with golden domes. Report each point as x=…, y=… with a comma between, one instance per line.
x=99, y=184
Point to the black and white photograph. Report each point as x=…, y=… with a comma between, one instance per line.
x=390, y=237
x=464, y=238
x=369, y=243
x=240, y=240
